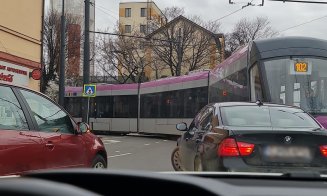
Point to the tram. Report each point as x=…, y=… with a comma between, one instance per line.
x=286, y=70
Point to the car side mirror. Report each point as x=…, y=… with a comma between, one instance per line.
x=181, y=126
x=83, y=127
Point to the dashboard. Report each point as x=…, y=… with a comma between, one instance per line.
x=111, y=182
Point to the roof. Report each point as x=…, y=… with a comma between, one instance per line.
x=290, y=42
x=223, y=104
x=177, y=19
x=16, y=85
x=131, y=2
x=287, y=46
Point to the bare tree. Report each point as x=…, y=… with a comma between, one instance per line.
x=246, y=30
x=51, y=44
x=121, y=58
x=188, y=40
x=126, y=59
x=173, y=12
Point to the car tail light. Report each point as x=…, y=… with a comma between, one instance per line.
x=230, y=148
x=323, y=150
x=245, y=148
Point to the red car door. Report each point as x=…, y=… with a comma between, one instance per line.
x=20, y=151
x=20, y=148
x=64, y=150
x=62, y=147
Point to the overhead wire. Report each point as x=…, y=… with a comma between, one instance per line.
x=248, y=4
x=103, y=11
x=304, y=23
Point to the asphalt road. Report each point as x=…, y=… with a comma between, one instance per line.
x=139, y=153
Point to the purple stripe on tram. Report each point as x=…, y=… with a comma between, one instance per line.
x=174, y=80
x=322, y=120
x=238, y=54
x=155, y=83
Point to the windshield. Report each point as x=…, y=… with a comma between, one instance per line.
x=298, y=81
x=163, y=85
x=278, y=117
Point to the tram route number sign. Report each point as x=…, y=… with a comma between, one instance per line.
x=299, y=67
x=89, y=90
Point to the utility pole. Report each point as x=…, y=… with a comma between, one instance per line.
x=179, y=53
x=62, y=57
x=86, y=62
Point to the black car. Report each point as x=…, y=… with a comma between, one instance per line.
x=258, y=137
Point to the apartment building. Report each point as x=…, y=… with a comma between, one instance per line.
x=140, y=17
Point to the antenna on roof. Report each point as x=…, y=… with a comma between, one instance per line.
x=259, y=102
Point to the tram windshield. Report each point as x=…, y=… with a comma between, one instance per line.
x=298, y=81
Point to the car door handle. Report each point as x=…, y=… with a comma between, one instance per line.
x=49, y=145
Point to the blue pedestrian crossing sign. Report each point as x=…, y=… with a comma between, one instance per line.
x=89, y=90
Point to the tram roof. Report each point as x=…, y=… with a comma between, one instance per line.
x=289, y=42
x=288, y=46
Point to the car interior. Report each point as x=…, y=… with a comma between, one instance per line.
x=110, y=182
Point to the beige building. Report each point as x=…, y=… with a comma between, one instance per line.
x=20, y=41
x=201, y=48
x=140, y=17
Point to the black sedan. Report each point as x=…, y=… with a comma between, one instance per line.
x=246, y=137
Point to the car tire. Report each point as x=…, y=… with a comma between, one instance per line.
x=175, y=160
x=99, y=162
x=198, y=164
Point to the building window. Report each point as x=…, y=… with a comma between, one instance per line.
x=143, y=28
x=128, y=29
x=143, y=12
x=128, y=12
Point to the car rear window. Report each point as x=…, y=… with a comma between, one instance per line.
x=290, y=117
x=266, y=116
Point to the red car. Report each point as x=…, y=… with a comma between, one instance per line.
x=36, y=133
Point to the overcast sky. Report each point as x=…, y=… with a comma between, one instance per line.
x=281, y=15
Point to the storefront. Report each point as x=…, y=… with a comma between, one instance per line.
x=21, y=42
x=19, y=72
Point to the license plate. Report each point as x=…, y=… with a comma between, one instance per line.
x=287, y=154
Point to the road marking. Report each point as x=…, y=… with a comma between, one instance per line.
x=119, y=155
x=117, y=151
x=146, y=144
x=164, y=140
x=110, y=141
x=157, y=142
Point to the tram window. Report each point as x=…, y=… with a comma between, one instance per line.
x=125, y=106
x=104, y=107
x=256, y=89
x=150, y=105
x=174, y=104
x=194, y=100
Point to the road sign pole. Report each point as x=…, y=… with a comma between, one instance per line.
x=86, y=62
x=88, y=111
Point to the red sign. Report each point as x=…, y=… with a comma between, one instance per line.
x=36, y=74
x=7, y=78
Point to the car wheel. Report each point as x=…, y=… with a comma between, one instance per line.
x=198, y=164
x=175, y=160
x=99, y=162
